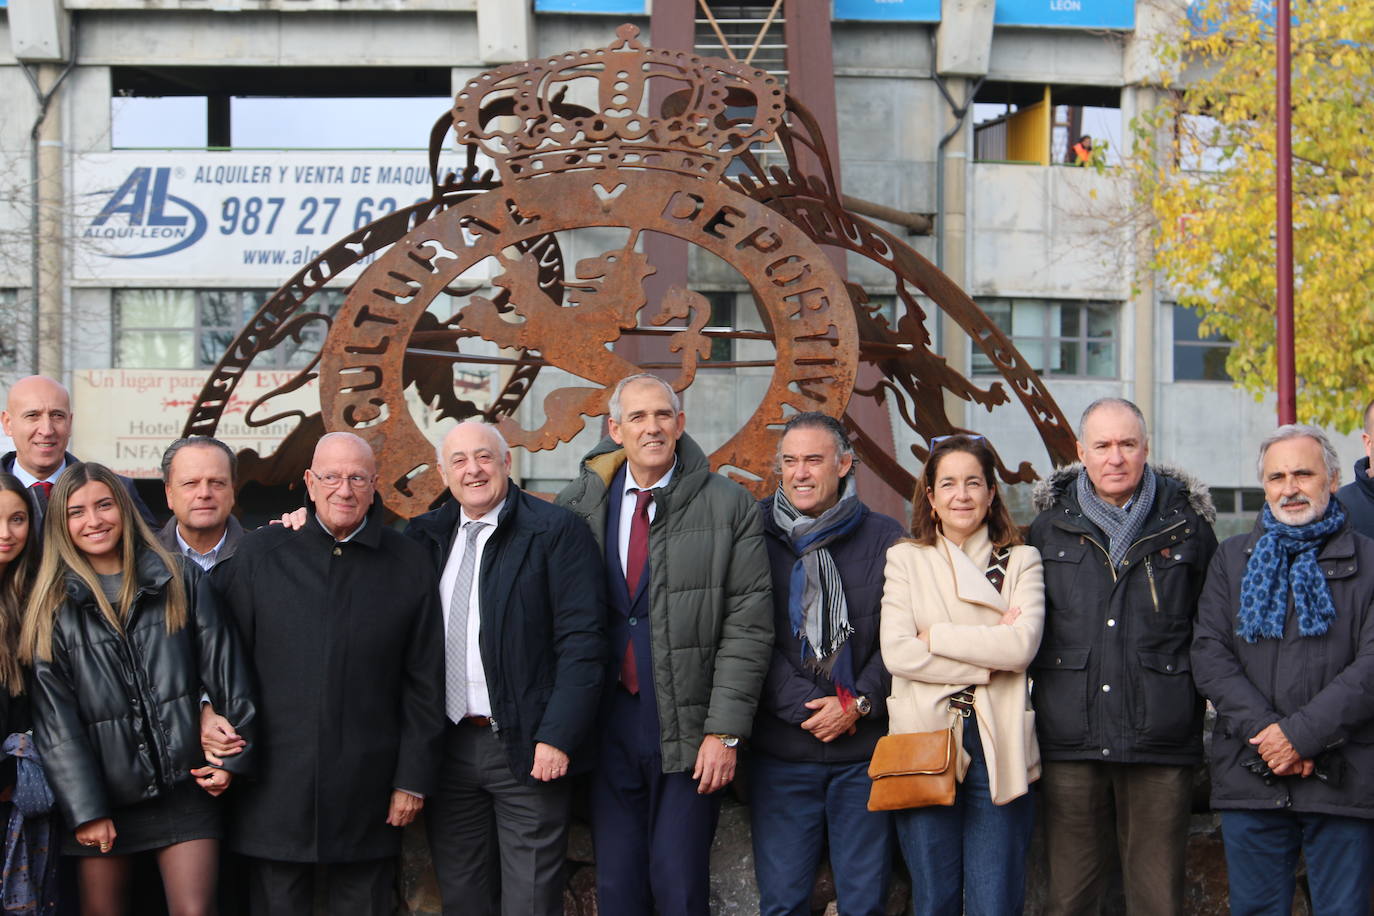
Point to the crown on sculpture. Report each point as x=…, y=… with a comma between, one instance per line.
x=590, y=109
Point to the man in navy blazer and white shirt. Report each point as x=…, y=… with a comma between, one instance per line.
x=525, y=647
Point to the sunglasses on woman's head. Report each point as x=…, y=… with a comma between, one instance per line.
x=974, y=436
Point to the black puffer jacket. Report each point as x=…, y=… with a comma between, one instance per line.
x=1112, y=678
x=117, y=718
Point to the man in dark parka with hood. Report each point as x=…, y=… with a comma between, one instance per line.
x=342, y=619
x=1125, y=546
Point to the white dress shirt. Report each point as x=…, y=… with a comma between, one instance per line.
x=205, y=561
x=627, y=509
x=479, y=701
x=351, y=535
x=29, y=480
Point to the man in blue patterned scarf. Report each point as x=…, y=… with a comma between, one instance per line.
x=824, y=703
x=1284, y=649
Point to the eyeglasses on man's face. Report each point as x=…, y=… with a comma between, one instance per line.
x=334, y=481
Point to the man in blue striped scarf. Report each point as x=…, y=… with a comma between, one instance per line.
x=1284, y=649
x=824, y=700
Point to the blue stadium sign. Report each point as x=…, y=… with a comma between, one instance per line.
x=889, y=10
x=1067, y=14
x=1058, y=14
x=633, y=7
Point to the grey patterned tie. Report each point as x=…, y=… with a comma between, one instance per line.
x=456, y=637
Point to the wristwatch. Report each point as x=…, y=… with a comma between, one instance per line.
x=863, y=704
x=730, y=741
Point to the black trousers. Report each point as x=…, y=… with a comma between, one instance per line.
x=365, y=888
x=492, y=837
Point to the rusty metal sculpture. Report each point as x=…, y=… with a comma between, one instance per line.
x=913, y=374
x=577, y=146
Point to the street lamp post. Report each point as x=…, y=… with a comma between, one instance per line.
x=1287, y=384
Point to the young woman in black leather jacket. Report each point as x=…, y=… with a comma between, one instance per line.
x=124, y=639
x=30, y=871
x=18, y=566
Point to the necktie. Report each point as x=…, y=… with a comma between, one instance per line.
x=42, y=489
x=636, y=559
x=456, y=634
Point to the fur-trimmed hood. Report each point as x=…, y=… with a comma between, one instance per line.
x=1053, y=488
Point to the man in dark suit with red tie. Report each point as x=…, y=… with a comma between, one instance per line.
x=691, y=631
x=38, y=417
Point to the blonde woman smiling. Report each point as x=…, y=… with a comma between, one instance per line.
x=123, y=638
x=963, y=610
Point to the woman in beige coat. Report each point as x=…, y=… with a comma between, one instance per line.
x=958, y=646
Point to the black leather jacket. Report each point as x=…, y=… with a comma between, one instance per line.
x=1112, y=679
x=117, y=717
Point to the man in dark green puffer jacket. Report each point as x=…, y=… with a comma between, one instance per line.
x=691, y=628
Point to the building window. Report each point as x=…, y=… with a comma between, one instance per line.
x=1064, y=339
x=191, y=328
x=157, y=328
x=883, y=306
x=1197, y=358
x=9, y=328
x=1236, y=509
x=1037, y=124
x=1201, y=143
x=1237, y=500
x=722, y=321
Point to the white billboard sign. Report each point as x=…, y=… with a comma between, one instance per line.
x=231, y=218
x=126, y=418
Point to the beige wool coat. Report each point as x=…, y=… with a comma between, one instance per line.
x=943, y=591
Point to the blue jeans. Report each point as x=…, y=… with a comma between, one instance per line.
x=1262, y=856
x=968, y=858
x=792, y=806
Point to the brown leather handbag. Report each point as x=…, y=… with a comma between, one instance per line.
x=912, y=770
x=916, y=769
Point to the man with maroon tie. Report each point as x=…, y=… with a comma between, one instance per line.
x=691, y=633
x=38, y=417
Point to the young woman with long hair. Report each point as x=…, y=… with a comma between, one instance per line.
x=122, y=638
x=30, y=872
x=963, y=610
x=18, y=565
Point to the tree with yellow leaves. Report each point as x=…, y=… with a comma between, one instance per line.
x=1210, y=188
